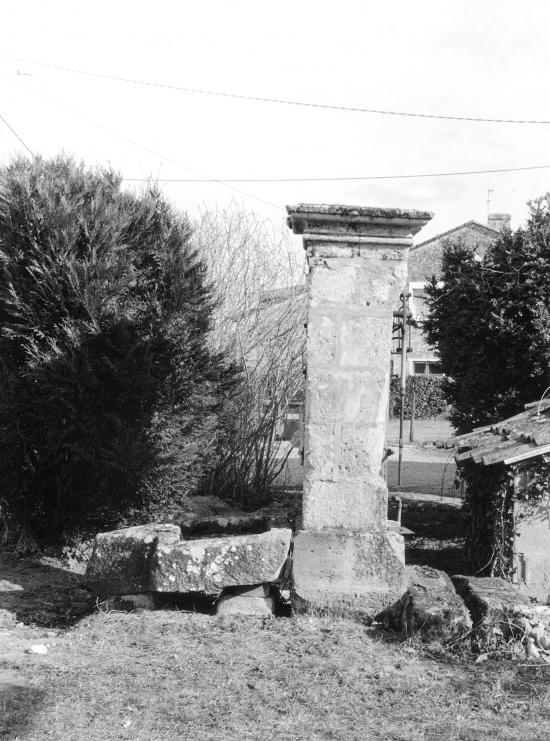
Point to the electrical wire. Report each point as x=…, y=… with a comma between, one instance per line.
x=278, y=101
x=14, y=132
x=202, y=178
x=352, y=178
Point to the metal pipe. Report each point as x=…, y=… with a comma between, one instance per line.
x=413, y=412
x=399, y=503
x=403, y=379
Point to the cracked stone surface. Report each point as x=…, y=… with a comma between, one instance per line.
x=121, y=559
x=212, y=564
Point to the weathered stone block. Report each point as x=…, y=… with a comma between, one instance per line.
x=322, y=340
x=346, y=573
x=430, y=606
x=245, y=601
x=212, y=564
x=369, y=280
x=320, y=461
x=358, y=505
x=121, y=559
x=331, y=283
x=347, y=396
x=361, y=451
x=366, y=343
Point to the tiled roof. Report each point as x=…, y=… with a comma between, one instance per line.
x=523, y=436
x=472, y=224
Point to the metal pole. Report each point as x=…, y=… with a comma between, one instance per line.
x=403, y=380
x=413, y=410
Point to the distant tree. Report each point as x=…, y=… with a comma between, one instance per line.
x=490, y=322
x=259, y=322
x=110, y=393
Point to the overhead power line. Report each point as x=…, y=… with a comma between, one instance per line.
x=14, y=132
x=347, y=179
x=279, y=101
x=202, y=178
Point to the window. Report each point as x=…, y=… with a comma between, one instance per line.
x=427, y=368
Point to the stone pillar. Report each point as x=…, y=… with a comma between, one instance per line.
x=345, y=559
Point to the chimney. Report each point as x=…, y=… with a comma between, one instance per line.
x=498, y=221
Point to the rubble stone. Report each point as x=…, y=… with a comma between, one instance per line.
x=121, y=559
x=211, y=564
x=430, y=606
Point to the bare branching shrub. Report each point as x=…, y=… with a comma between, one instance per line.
x=259, y=322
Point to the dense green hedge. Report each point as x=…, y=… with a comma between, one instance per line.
x=429, y=398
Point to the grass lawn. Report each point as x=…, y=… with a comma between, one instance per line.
x=425, y=430
x=167, y=675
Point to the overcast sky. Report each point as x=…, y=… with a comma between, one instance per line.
x=474, y=58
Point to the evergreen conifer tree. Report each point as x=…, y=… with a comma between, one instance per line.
x=109, y=393
x=490, y=322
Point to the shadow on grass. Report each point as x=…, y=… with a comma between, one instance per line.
x=37, y=593
x=18, y=704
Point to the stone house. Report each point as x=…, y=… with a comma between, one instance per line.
x=517, y=444
x=424, y=263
